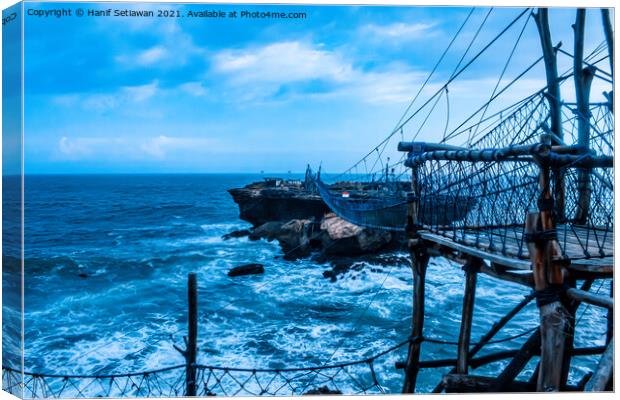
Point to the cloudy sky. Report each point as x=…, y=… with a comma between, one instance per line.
x=239, y=95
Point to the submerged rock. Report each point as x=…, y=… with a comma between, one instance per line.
x=247, y=269
x=237, y=234
x=322, y=390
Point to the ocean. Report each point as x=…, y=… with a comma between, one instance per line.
x=106, y=264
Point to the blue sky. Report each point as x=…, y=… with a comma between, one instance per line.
x=11, y=93
x=131, y=95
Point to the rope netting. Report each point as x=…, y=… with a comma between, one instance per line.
x=356, y=377
x=498, y=193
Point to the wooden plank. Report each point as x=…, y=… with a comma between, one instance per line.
x=592, y=265
x=498, y=259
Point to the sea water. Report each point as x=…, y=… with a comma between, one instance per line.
x=106, y=264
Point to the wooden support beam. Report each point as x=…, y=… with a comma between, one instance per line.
x=529, y=349
x=525, y=279
x=591, y=298
x=610, y=315
x=496, y=356
x=455, y=383
x=492, y=332
x=419, y=261
x=471, y=275
x=554, y=99
x=604, y=371
x=480, y=384
x=569, y=344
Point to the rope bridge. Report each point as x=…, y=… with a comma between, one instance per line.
x=478, y=195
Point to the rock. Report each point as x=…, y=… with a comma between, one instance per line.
x=259, y=203
x=247, y=269
x=344, y=238
x=268, y=230
x=237, y=234
x=322, y=390
x=295, y=236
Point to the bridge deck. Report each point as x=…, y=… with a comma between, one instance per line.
x=506, y=246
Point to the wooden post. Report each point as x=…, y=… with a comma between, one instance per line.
x=610, y=316
x=548, y=280
x=569, y=345
x=553, y=98
x=191, y=349
x=471, y=274
x=583, y=80
x=192, y=328
x=419, y=262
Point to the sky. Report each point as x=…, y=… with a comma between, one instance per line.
x=11, y=93
x=204, y=95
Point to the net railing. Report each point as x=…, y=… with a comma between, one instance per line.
x=497, y=181
x=355, y=377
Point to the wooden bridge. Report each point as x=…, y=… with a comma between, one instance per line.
x=538, y=201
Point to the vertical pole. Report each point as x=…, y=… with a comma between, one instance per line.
x=609, y=37
x=549, y=283
x=553, y=98
x=610, y=316
x=419, y=262
x=190, y=352
x=583, y=80
x=471, y=269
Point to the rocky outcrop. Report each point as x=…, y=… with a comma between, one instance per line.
x=332, y=236
x=259, y=204
x=296, y=237
x=344, y=238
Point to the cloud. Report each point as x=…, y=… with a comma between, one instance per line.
x=261, y=72
x=282, y=62
x=175, y=49
x=103, y=102
x=160, y=146
x=400, y=31
x=153, y=148
x=193, y=88
x=151, y=55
